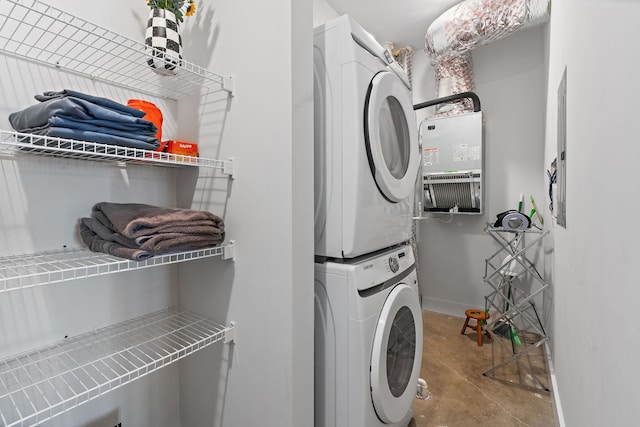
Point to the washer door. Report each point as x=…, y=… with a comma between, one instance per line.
x=397, y=355
x=391, y=136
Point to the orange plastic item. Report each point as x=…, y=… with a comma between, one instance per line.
x=154, y=115
x=182, y=148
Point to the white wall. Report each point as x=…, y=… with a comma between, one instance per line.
x=268, y=209
x=322, y=12
x=509, y=76
x=595, y=280
x=266, y=379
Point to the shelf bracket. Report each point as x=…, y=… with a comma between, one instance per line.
x=227, y=84
x=230, y=251
x=230, y=334
x=229, y=168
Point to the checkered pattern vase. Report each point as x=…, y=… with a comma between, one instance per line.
x=163, y=41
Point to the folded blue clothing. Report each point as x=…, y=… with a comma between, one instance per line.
x=61, y=122
x=73, y=123
x=70, y=107
x=105, y=102
x=89, y=136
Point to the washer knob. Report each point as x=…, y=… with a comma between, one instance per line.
x=394, y=265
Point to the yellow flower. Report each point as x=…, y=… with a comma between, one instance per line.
x=191, y=8
x=179, y=7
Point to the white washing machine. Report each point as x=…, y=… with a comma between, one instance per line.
x=366, y=143
x=368, y=340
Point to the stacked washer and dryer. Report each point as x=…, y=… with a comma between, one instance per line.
x=368, y=322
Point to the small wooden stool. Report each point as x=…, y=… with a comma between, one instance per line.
x=480, y=316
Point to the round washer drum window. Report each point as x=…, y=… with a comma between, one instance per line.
x=394, y=137
x=401, y=350
x=396, y=354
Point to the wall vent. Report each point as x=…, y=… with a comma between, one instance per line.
x=456, y=192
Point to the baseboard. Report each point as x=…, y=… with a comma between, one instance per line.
x=554, y=389
x=444, y=307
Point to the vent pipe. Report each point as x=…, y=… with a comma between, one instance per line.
x=467, y=25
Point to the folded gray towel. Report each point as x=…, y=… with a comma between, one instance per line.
x=97, y=244
x=205, y=229
x=137, y=231
x=135, y=220
x=105, y=233
x=164, y=242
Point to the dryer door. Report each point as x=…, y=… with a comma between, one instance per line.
x=391, y=136
x=397, y=355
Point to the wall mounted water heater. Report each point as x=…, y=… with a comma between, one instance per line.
x=452, y=163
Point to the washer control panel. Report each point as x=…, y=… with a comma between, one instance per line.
x=383, y=267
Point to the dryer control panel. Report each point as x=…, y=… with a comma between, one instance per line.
x=388, y=266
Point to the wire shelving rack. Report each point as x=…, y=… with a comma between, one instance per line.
x=44, y=268
x=16, y=143
x=44, y=34
x=38, y=385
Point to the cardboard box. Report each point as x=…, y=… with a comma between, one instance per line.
x=182, y=148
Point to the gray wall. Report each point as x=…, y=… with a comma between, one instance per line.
x=268, y=291
x=510, y=81
x=594, y=263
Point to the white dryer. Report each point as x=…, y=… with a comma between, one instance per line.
x=368, y=340
x=366, y=143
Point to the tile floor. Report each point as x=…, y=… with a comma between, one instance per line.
x=460, y=396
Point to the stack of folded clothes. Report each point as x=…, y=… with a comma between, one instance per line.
x=138, y=232
x=75, y=115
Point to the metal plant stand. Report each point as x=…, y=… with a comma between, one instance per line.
x=516, y=326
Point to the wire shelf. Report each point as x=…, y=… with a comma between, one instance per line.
x=33, y=30
x=26, y=271
x=38, y=385
x=24, y=143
